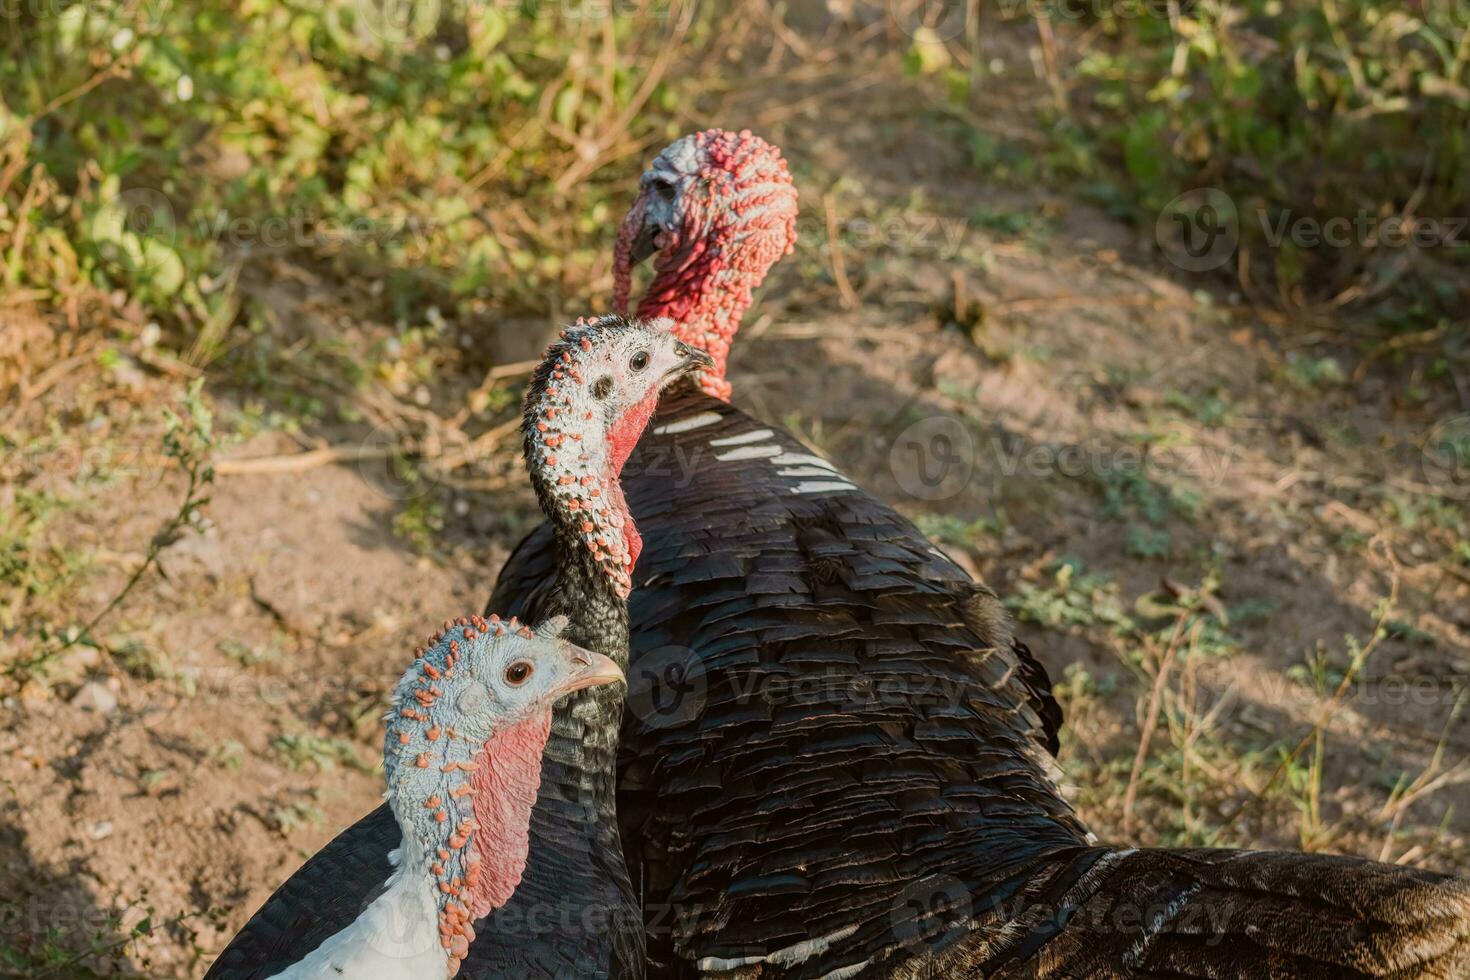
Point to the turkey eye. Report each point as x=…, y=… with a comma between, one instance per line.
x=638, y=361
x=517, y=673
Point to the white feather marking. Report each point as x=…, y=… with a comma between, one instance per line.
x=822, y=486
x=396, y=937
x=805, y=950
x=748, y=452
x=684, y=425
x=714, y=964
x=786, y=956
x=803, y=459
x=759, y=435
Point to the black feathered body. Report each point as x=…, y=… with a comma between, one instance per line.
x=1198, y=914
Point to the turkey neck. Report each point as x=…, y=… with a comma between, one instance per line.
x=593, y=560
x=597, y=608
x=584, y=729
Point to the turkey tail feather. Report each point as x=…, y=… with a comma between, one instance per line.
x=1216, y=914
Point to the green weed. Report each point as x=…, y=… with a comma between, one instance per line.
x=1146, y=542
x=1130, y=490
x=948, y=529
x=1073, y=599
x=1298, y=112
x=420, y=522
x=324, y=753
x=1209, y=406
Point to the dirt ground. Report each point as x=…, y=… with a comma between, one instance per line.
x=1121, y=416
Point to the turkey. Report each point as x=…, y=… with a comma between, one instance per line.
x=462, y=761
x=837, y=758
x=571, y=913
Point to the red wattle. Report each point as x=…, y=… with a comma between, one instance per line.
x=625, y=433
x=505, y=781
x=621, y=440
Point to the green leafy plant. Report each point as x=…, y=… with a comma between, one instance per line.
x=1300, y=114
x=149, y=151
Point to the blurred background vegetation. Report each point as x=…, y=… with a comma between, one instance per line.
x=477, y=151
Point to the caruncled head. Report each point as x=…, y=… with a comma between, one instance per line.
x=718, y=209
x=586, y=406
x=462, y=756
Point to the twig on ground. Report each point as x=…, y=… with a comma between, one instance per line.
x=1151, y=718
x=296, y=462
x=834, y=252
x=498, y=373
x=1050, y=73
x=115, y=68
x=774, y=115
x=1430, y=780
x=445, y=459
x=610, y=144
x=30, y=391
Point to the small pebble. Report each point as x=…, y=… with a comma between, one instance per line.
x=93, y=696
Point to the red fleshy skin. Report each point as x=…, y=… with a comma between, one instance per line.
x=737, y=218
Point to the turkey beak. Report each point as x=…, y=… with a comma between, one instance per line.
x=691, y=359
x=657, y=208
x=588, y=669
x=645, y=243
